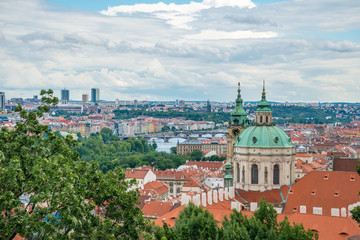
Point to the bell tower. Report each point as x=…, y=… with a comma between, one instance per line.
x=263, y=113
x=238, y=122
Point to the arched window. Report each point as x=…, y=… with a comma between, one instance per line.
x=276, y=175
x=260, y=119
x=254, y=174
x=267, y=120
x=238, y=172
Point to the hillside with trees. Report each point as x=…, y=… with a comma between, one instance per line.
x=283, y=114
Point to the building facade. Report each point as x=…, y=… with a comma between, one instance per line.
x=2, y=101
x=95, y=95
x=264, y=155
x=85, y=98
x=65, y=96
x=187, y=147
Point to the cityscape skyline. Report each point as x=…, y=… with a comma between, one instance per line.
x=198, y=50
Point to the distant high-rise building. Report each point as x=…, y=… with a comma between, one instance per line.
x=135, y=103
x=95, y=95
x=181, y=103
x=2, y=101
x=65, y=96
x=85, y=98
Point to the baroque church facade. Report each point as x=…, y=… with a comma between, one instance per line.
x=262, y=155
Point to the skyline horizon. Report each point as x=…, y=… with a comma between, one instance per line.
x=153, y=49
x=57, y=93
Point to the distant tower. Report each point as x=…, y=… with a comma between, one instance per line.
x=65, y=96
x=87, y=129
x=95, y=95
x=208, y=106
x=135, y=103
x=228, y=178
x=85, y=98
x=2, y=101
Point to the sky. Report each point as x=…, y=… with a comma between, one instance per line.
x=306, y=51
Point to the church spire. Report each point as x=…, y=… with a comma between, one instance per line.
x=263, y=113
x=238, y=115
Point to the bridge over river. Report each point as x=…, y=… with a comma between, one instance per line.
x=185, y=134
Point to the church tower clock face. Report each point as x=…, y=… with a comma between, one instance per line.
x=235, y=131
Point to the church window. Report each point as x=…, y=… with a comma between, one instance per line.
x=261, y=119
x=238, y=173
x=236, y=121
x=254, y=174
x=254, y=139
x=276, y=175
x=243, y=174
x=266, y=175
x=267, y=120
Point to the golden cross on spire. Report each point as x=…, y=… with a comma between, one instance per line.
x=263, y=87
x=238, y=87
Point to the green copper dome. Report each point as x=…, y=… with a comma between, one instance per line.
x=263, y=137
x=238, y=116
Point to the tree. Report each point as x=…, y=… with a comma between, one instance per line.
x=165, y=129
x=196, y=155
x=46, y=192
x=193, y=223
x=173, y=150
x=154, y=144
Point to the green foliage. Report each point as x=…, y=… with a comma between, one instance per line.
x=290, y=114
x=173, y=150
x=356, y=214
x=62, y=191
x=195, y=223
x=196, y=155
x=109, y=152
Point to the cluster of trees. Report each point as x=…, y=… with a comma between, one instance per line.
x=197, y=155
x=198, y=224
x=46, y=192
x=109, y=152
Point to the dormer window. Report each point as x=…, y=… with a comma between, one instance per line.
x=326, y=177
x=313, y=192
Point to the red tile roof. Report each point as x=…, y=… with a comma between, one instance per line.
x=271, y=196
x=157, y=186
x=157, y=209
x=324, y=189
x=192, y=183
x=205, y=164
x=334, y=228
x=328, y=228
x=135, y=173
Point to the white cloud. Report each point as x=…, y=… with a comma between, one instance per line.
x=139, y=53
x=177, y=15
x=219, y=35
